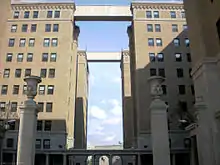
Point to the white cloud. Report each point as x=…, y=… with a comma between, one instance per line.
x=112, y=121
x=116, y=80
x=97, y=112
x=117, y=108
x=109, y=138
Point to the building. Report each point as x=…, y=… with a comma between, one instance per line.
x=158, y=45
x=42, y=39
x=203, y=18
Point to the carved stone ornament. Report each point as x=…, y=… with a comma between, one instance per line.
x=155, y=85
x=32, y=82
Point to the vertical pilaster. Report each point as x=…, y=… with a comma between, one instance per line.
x=64, y=159
x=173, y=159
x=47, y=159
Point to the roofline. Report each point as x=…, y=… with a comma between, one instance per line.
x=157, y=2
x=41, y=3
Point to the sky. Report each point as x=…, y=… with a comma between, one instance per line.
x=105, y=102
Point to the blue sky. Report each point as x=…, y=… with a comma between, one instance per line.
x=105, y=111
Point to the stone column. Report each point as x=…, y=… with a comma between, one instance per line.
x=28, y=121
x=159, y=126
x=47, y=159
x=110, y=159
x=64, y=159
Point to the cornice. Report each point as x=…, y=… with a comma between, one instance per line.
x=81, y=53
x=44, y=6
x=125, y=53
x=157, y=6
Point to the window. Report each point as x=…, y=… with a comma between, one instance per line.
x=149, y=27
x=46, y=144
x=176, y=42
x=190, y=70
x=178, y=57
x=156, y=14
x=218, y=28
x=10, y=143
x=22, y=42
x=54, y=42
x=14, y=106
x=185, y=27
x=27, y=72
x=152, y=57
x=150, y=42
x=157, y=28
x=148, y=14
x=164, y=89
x=55, y=27
x=41, y=90
x=4, y=90
x=153, y=72
x=20, y=57
x=47, y=125
x=57, y=14
x=50, y=89
x=13, y=28
x=53, y=57
x=9, y=57
x=12, y=126
x=183, y=14
x=29, y=57
x=43, y=73
x=49, y=107
x=192, y=90
x=15, y=90
x=182, y=89
x=33, y=27
x=173, y=14
x=183, y=105
x=49, y=14
x=6, y=73
x=38, y=144
x=160, y=57
x=40, y=106
x=44, y=57
x=16, y=14
x=188, y=55
x=39, y=125
x=11, y=42
x=48, y=28
x=31, y=42
x=24, y=28
x=26, y=14
x=174, y=28
x=161, y=72
x=51, y=73
x=35, y=14
x=2, y=106
x=17, y=73
x=46, y=42
x=159, y=42
x=187, y=42
x=179, y=72
x=24, y=89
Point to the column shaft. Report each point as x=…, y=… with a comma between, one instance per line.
x=27, y=134
x=47, y=159
x=64, y=159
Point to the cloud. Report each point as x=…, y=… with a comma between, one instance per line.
x=97, y=112
x=116, y=80
x=117, y=108
x=112, y=121
x=109, y=138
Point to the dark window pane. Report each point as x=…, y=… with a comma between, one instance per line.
x=153, y=72
x=47, y=125
x=49, y=107
x=57, y=14
x=35, y=14
x=49, y=14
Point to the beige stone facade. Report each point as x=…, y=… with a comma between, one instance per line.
x=42, y=40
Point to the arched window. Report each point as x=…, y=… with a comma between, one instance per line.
x=218, y=28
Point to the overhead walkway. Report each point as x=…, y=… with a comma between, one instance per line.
x=103, y=56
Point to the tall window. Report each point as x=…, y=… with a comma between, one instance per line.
x=47, y=125
x=148, y=14
x=20, y=57
x=9, y=57
x=35, y=14
x=2, y=106
x=49, y=14
x=6, y=73
x=17, y=73
x=24, y=89
x=161, y=72
x=50, y=89
x=46, y=42
x=185, y=27
x=41, y=106
x=46, y=144
x=187, y=42
x=159, y=42
x=160, y=57
x=31, y=42
x=33, y=27
x=11, y=42
x=38, y=144
x=22, y=42
x=29, y=57
x=4, y=90
x=43, y=73
x=51, y=73
x=153, y=72
x=16, y=14
x=174, y=28
x=182, y=89
x=49, y=107
x=55, y=27
x=26, y=14
x=44, y=57
x=218, y=28
x=41, y=90
x=24, y=28
x=57, y=14
x=54, y=42
x=10, y=143
x=152, y=57
x=14, y=106
x=149, y=27
x=150, y=42
x=14, y=28
x=188, y=55
x=179, y=72
x=183, y=15
x=15, y=90
x=48, y=28
x=176, y=42
x=178, y=57
x=27, y=72
x=53, y=57
x=157, y=28
x=39, y=125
